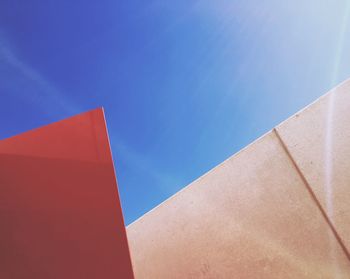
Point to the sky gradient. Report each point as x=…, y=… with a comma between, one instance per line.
x=184, y=84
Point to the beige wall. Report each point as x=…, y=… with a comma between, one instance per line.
x=319, y=141
x=253, y=216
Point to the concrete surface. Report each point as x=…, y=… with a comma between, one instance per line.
x=318, y=138
x=253, y=216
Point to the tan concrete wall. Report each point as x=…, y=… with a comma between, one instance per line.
x=318, y=139
x=253, y=216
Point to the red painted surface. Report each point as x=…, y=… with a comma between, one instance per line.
x=60, y=213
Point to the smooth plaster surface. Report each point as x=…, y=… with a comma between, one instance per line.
x=60, y=215
x=318, y=138
x=250, y=217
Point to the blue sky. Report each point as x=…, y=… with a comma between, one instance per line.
x=184, y=84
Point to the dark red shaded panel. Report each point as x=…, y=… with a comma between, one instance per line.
x=61, y=217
